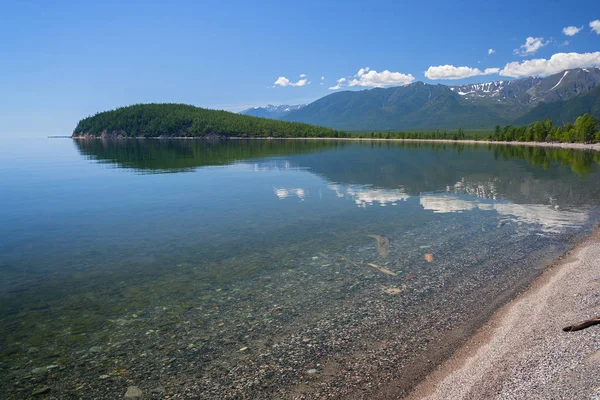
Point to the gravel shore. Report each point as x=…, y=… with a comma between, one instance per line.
x=557, y=145
x=522, y=352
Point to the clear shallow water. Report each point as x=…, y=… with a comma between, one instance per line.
x=173, y=256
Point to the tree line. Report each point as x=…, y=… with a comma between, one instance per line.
x=180, y=120
x=586, y=129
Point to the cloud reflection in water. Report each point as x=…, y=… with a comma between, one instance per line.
x=366, y=196
x=549, y=217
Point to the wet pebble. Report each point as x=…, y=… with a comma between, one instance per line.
x=40, y=391
x=133, y=392
x=39, y=371
x=96, y=349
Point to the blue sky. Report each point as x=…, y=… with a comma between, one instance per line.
x=64, y=60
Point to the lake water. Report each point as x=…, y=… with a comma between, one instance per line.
x=267, y=269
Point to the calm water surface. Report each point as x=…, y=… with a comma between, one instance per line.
x=266, y=269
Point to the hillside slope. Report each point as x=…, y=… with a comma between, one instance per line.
x=180, y=120
x=561, y=112
x=415, y=106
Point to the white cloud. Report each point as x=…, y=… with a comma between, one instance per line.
x=362, y=71
x=563, y=44
x=340, y=82
x=302, y=75
x=531, y=46
x=452, y=72
x=322, y=78
x=283, y=81
x=557, y=63
x=571, y=30
x=491, y=51
x=370, y=78
x=595, y=25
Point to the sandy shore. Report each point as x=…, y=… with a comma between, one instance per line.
x=522, y=352
x=580, y=146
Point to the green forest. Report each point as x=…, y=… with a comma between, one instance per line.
x=586, y=129
x=179, y=120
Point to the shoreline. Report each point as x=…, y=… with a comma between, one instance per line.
x=577, y=146
x=521, y=351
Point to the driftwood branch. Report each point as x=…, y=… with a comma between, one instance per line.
x=582, y=325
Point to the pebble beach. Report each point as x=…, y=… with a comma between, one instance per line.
x=522, y=352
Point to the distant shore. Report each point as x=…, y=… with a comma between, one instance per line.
x=579, y=146
x=522, y=352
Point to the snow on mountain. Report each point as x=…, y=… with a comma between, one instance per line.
x=271, y=111
x=533, y=90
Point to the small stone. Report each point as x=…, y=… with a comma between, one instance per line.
x=312, y=371
x=104, y=377
x=393, y=290
x=243, y=349
x=39, y=371
x=33, y=350
x=133, y=392
x=51, y=367
x=96, y=349
x=43, y=390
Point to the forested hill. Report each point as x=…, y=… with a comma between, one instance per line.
x=180, y=120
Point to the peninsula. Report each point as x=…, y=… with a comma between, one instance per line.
x=180, y=120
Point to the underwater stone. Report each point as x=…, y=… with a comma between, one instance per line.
x=39, y=371
x=43, y=390
x=133, y=392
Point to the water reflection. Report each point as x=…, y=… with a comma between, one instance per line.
x=364, y=196
x=550, y=218
x=160, y=156
x=284, y=193
x=164, y=156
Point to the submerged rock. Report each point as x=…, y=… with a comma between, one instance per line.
x=381, y=269
x=133, y=392
x=43, y=390
x=39, y=371
x=383, y=244
x=393, y=290
x=96, y=349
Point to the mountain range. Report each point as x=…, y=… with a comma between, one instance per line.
x=271, y=111
x=561, y=97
